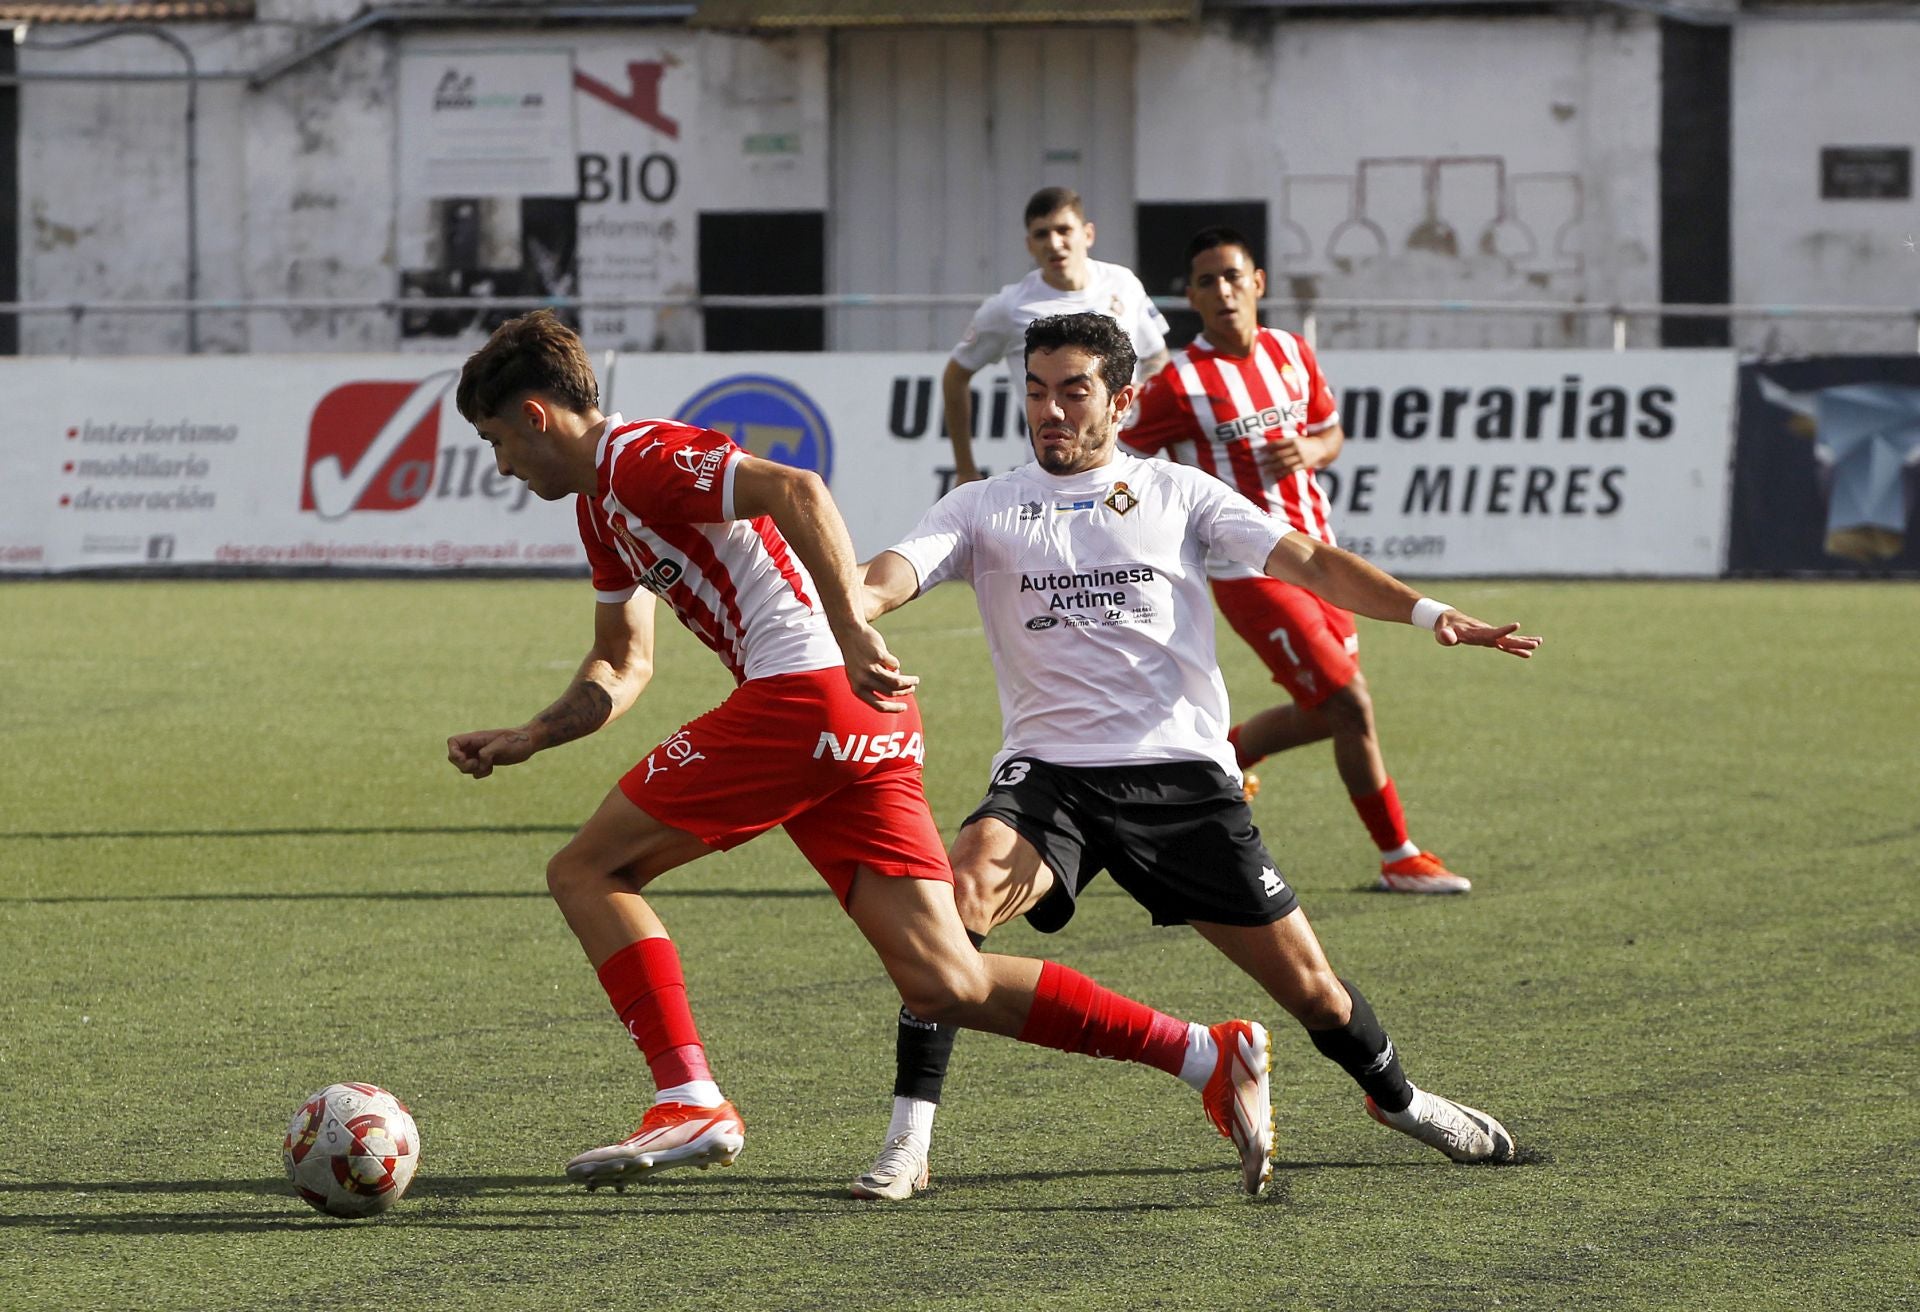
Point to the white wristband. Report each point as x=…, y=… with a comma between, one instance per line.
x=1427, y=612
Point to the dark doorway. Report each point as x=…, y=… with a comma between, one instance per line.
x=764, y=253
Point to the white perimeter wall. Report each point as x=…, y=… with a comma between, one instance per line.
x=1498, y=160
x=1486, y=159
x=1799, y=86
x=298, y=189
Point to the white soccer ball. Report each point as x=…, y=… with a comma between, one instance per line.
x=351, y=1150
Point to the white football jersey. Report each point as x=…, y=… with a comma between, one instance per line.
x=999, y=328
x=1093, y=591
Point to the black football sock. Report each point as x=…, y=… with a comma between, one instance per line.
x=922, y=1050
x=1363, y=1050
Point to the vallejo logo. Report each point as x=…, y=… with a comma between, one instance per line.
x=769, y=417
x=371, y=446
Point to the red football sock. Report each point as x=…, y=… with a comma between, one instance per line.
x=1072, y=1013
x=1380, y=813
x=1241, y=756
x=647, y=990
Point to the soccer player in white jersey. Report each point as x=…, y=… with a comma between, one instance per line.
x=1066, y=280
x=821, y=736
x=1088, y=566
x=1250, y=406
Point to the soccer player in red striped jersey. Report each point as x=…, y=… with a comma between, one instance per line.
x=821, y=736
x=1249, y=405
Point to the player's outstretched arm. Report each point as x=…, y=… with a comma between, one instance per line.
x=956, y=397
x=798, y=503
x=1354, y=584
x=888, y=583
x=610, y=679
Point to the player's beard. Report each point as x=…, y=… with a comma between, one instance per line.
x=1087, y=450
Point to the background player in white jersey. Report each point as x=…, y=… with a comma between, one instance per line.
x=820, y=737
x=1250, y=406
x=1067, y=280
x=1087, y=568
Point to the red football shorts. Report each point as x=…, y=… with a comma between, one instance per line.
x=1309, y=644
x=801, y=751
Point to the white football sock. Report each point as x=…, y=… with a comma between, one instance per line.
x=1400, y=853
x=913, y=1116
x=1203, y=1054
x=694, y=1093
x=1410, y=1117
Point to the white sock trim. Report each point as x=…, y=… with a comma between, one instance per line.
x=1203, y=1055
x=1400, y=853
x=1411, y=1115
x=694, y=1093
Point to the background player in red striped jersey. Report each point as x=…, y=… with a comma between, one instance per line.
x=1250, y=406
x=1065, y=280
x=822, y=736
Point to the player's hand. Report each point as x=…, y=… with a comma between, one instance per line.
x=1280, y=459
x=1456, y=629
x=479, y=752
x=873, y=671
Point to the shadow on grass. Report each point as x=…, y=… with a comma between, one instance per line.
x=551, y=1201
x=404, y=895
x=308, y=831
x=297, y=1216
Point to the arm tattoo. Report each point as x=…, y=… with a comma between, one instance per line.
x=581, y=709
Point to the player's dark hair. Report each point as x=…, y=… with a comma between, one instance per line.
x=1217, y=236
x=535, y=353
x=1049, y=199
x=1093, y=333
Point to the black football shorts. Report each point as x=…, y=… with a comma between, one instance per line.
x=1176, y=835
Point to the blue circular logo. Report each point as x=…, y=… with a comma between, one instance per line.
x=769, y=417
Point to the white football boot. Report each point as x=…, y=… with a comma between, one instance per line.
x=670, y=1134
x=1463, y=1133
x=1239, y=1098
x=899, y=1172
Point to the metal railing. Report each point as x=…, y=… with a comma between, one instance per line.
x=1306, y=313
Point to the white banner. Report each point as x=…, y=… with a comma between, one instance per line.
x=1534, y=462
x=270, y=462
x=486, y=123
x=1518, y=463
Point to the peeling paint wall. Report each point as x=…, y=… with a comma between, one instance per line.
x=1799, y=87
x=1498, y=159
x=103, y=189
x=1402, y=159
x=319, y=202
x=299, y=190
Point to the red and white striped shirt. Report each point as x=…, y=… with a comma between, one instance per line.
x=664, y=520
x=1207, y=409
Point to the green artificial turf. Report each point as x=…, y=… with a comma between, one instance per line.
x=235, y=866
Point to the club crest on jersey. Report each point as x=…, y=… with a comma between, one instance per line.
x=703, y=465
x=869, y=748
x=1121, y=499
